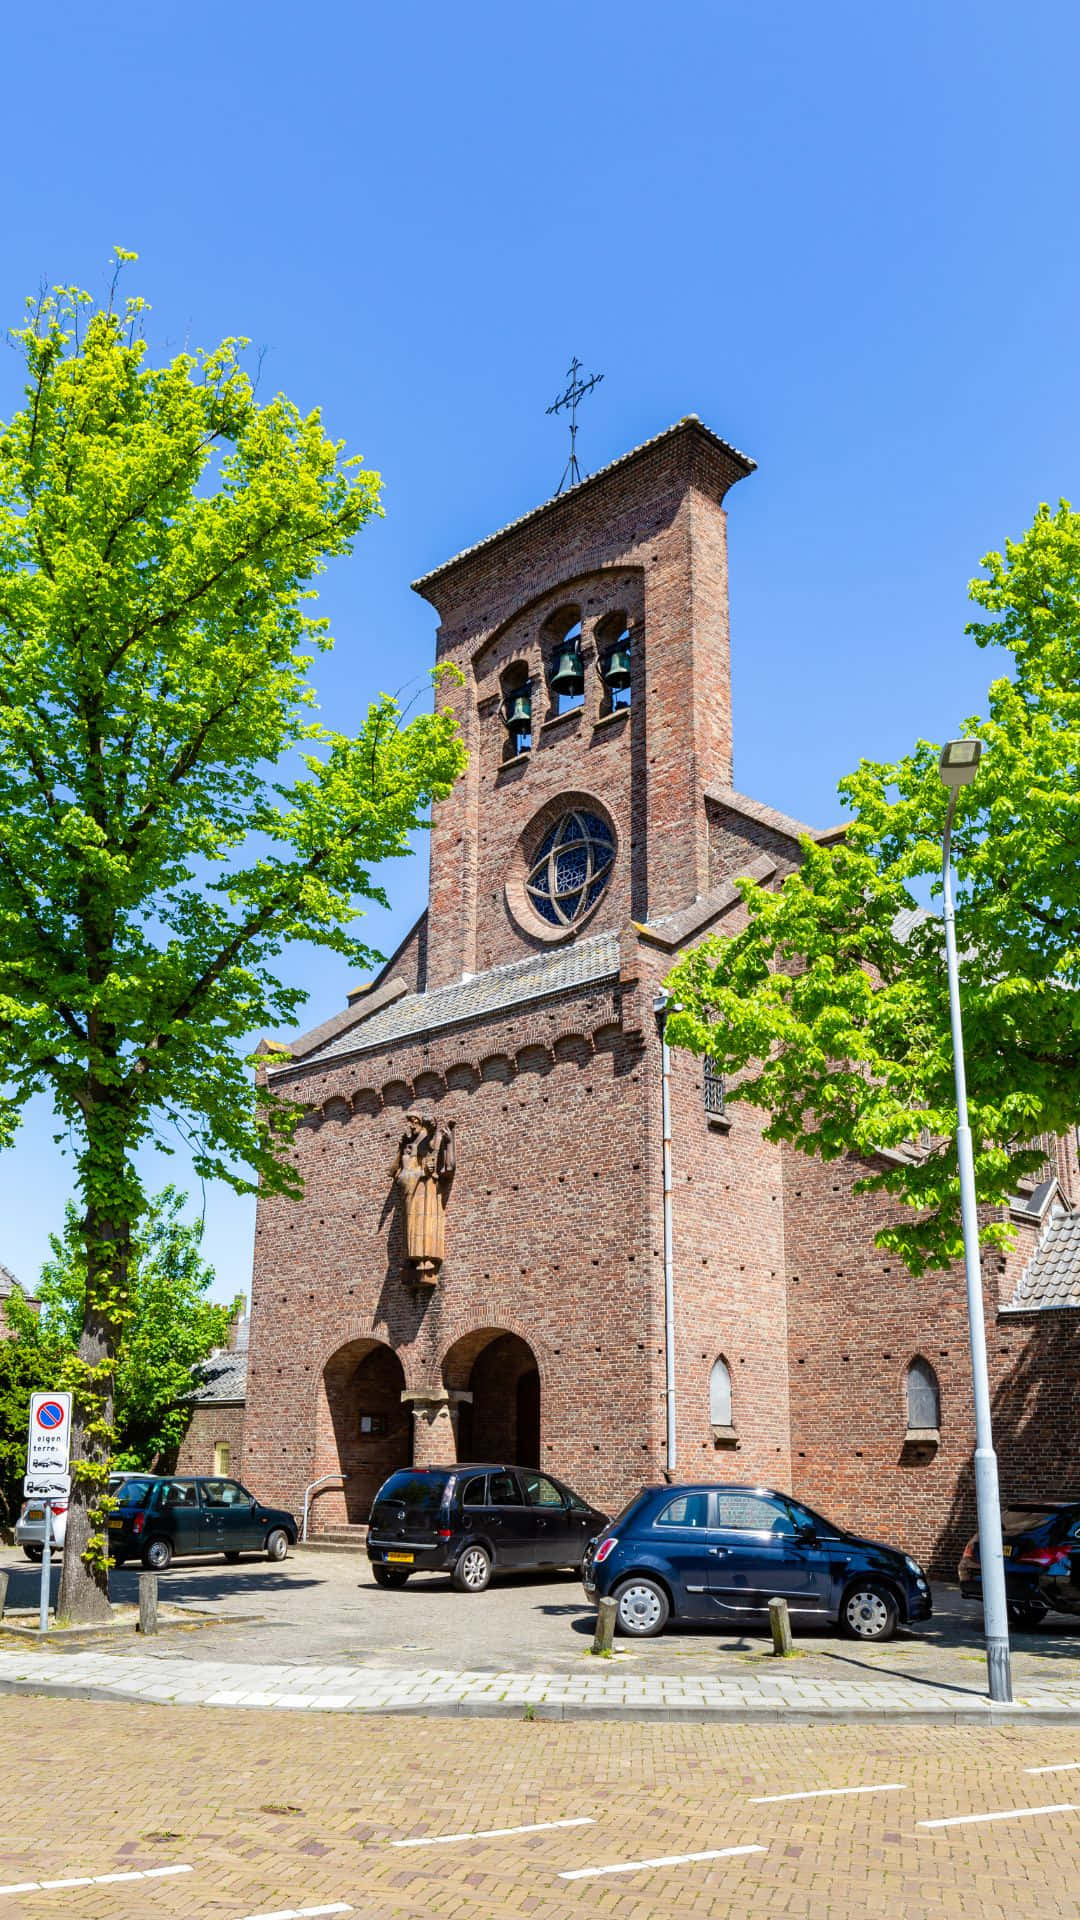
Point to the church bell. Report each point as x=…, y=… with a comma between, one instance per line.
x=519, y=708
x=569, y=675
x=616, y=669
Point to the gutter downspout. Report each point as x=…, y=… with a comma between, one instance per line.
x=660, y=1008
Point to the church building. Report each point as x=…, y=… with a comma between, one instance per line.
x=498, y=1254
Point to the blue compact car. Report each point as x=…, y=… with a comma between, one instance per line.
x=721, y=1553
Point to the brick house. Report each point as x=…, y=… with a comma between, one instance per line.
x=214, y=1441
x=595, y=833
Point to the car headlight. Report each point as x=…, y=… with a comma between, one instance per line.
x=914, y=1566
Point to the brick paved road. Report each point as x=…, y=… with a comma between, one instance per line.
x=276, y=1814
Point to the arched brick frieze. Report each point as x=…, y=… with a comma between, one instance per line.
x=366, y=1103
x=396, y=1093
x=462, y=1077
x=577, y=1048
x=429, y=1085
x=497, y=1066
x=534, y=1059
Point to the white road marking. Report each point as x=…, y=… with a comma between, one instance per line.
x=300, y=1913
x=1010, y=1813
x=94, y=1880
x=662, y=1860
x=1065, y=1766
x=483, y=1833
x=821, y=1793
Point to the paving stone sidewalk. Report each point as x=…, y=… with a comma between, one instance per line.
x=605, y=1692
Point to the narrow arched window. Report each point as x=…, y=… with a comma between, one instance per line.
x=720, y=1395
x=923, y=1397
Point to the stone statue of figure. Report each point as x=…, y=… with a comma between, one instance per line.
x=424, y=1169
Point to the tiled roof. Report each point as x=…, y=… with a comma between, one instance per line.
x=9, y=1284
x=688, y=420
x=578, y=965
x=224, y=1377
x=1052, y=1275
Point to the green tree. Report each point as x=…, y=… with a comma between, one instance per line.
x=159, y=533
x=26, y=1367
x=831, y=1007
x=170, y=1326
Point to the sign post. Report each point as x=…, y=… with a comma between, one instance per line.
x=48, y=1450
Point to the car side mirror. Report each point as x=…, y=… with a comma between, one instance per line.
x=805, y=1535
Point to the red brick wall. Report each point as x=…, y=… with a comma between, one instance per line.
x=856, y=1319
x=547, y=1238
x=209, y=1425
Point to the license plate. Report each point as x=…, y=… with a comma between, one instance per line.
x=401, y=1559
x=35, y=1513
x=115, y=1525
x=1006, y=1551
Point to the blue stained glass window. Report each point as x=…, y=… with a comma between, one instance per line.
x=571, y=867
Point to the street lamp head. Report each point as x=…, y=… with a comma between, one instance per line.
x=959, y=761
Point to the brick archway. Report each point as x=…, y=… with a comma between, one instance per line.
x=364, y=1430
x=502, y=1420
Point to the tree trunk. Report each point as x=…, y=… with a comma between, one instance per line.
x=84, y=1581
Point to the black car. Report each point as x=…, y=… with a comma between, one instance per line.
x=1042, y=1560
x=720, y=1553
x=158, y=1518
x=473, y=1521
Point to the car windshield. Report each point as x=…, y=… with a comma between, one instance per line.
x=1022, y=1519
x=632, y=1507
x=417, y=1492
x=134, y=1493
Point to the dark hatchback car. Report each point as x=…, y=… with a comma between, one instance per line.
x=720, y=1553
x=159, y=1519
x=1042, y=1561
x=473, y=1521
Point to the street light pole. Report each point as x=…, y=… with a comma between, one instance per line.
x=959, y=760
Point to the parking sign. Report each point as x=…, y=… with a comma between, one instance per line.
x=49, y=1445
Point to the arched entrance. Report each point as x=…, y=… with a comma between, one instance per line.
x=502, y=1419
x=365, y=1429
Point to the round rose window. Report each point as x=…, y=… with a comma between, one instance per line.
x=571, y=868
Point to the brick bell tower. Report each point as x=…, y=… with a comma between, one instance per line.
x=592, y=636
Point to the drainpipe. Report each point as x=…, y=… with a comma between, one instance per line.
x=661, y=1008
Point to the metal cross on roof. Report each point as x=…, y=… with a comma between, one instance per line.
x=576, y=391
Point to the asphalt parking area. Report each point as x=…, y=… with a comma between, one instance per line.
x=269, y=1817
x=325, y=1607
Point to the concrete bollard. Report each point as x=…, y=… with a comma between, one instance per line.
x=3, y=1590
x=605, y=1626
x=780, y=1622
x=148, y=1598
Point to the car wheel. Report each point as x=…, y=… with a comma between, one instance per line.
x=232, y=1558
x=642, y=1607
x=157, y=1555
x=868, y=1612
x=1027, y=1613
x=389, y=1576
x=473, y=1570
x=277, y=1544
x=34, y=1553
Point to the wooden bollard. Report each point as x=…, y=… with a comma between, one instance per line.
x=605, y=1626
x=3, y=1590
x=148, y=1598
x=780, y=1622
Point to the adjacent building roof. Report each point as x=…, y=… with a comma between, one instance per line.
x=9, y=1285
x=1052, y=1275
x=581, y=964
x=224, y=1378
x=689, y=420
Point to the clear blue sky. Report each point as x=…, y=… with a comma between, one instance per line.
x=845, y=235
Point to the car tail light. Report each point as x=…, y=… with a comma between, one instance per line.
x=443, y=1533
x=1041, y=1556
x=138, y=1523
x=606, y=1546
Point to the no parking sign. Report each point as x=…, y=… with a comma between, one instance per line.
x=49, y=1444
